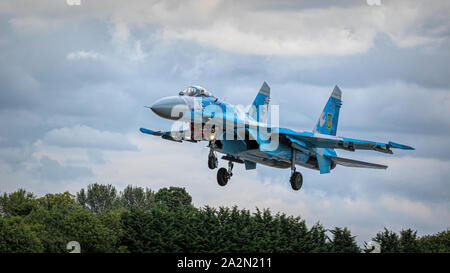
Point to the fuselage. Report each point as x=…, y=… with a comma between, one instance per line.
x=201, y=112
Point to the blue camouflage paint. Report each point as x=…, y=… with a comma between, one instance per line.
x=328, y=121
x=261, y=100
x=323, y=162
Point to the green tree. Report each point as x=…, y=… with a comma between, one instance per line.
x=58, y=200
x=240, y=224
x=98, y=197
x=88, y=230
x=137, y=198
x=59, y=220
x=388, y=240
x=267, y=231
x=343, y=241
x=294, y=234
x=18, y=203
x=206, y=227
x=138, y=220
x=436, y=243
x=409, y=242
x=135, y=224
x=316, y=240
x=18, y=237
x=173, y=197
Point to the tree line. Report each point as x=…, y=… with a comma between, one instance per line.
x=139, y=220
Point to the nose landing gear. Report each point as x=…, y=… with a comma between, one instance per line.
x=296, y=177
x=212, y=160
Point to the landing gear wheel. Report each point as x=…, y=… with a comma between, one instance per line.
x=212, y=161
x=296, y=181
x=222, y=176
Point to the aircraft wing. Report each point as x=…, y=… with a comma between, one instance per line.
x=177, y=136
x=355, y=163
x=326, y=141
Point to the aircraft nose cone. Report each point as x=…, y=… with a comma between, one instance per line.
x=169, y=107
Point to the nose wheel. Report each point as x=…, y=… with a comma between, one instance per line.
x=223, y=175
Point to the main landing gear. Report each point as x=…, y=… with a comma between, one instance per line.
x=296, y=177
x=223, y=175
x=296, y=180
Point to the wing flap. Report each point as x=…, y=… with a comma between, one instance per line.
x=356, y=163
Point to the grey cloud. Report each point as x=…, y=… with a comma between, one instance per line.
x=81, y=136
x=51, y=170
x=297, y=28
x=16, y=156
x=93, y=107
x=96, y=157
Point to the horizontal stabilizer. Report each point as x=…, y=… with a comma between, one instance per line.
x=357, y=164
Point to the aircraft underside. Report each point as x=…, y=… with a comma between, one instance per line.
x=236, y=151
x=275, y=159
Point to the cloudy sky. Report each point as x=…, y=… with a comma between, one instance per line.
x=74, y=80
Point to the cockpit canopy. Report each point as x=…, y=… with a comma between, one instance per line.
x=195, y=91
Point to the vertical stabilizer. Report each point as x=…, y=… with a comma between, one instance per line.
x=328, y=121
x=260, y=107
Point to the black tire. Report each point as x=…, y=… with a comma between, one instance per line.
x=296, y=181
x=212, y=162
x=222, y=176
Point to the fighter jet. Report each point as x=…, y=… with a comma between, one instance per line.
x=245, y=136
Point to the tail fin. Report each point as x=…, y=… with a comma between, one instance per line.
x=260, y=106
x=328, y=121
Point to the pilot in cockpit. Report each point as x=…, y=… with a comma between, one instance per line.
x=195, y=91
